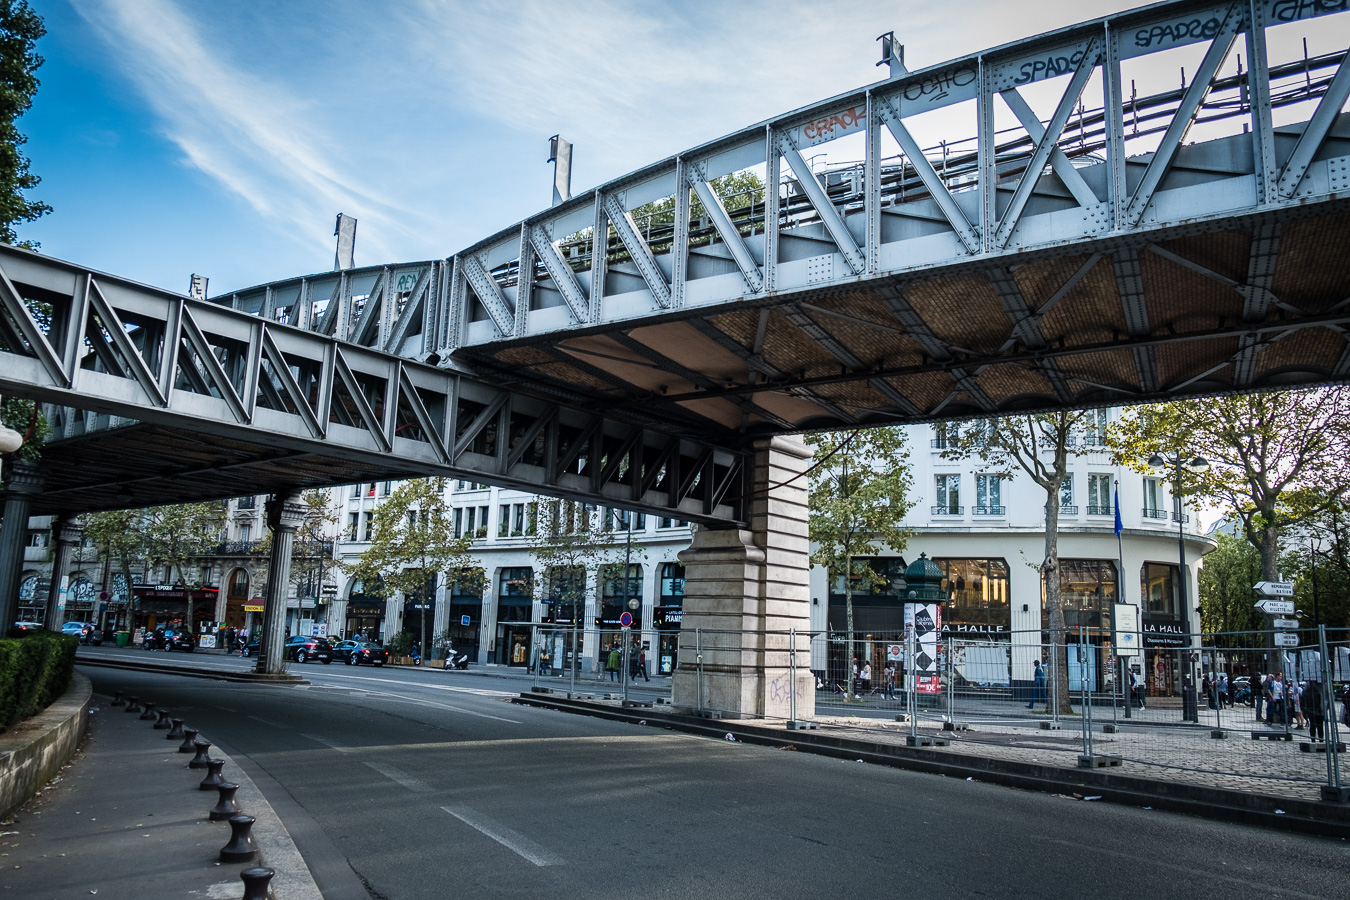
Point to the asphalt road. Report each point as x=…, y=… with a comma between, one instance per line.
x=399, y=784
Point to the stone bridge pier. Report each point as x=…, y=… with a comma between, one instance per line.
x=745, y=591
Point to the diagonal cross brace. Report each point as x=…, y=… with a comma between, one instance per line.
x=969, y=236
x=820, y=200
x=638, y=250
x=726, y=229
x=489, y=294
x=561, y=273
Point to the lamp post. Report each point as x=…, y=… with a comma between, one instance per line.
x=1197, y=465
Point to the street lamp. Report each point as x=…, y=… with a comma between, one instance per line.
x=1197, y=466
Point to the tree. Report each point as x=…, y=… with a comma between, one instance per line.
x=859, y=495
x=1226, y=581
x=1040, y=445
x=1320, y=563
x=1275, y=459
x=179, y=535
x=20, y=29
x=117, y=537
x=413, y=543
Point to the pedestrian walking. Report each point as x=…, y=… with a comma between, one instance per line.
x=866, y=680
x=1314, y=708
x=1294, y=697
x=1256, y=686
x=1223, y=690
x=1038, y=687
x=642, y=665
x=612, y=662
x=1275, y=709
x=1137, y=691
x=889, y=676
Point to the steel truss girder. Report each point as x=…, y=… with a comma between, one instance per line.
x=306, y=376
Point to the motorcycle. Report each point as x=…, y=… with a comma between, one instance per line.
x=455, y=660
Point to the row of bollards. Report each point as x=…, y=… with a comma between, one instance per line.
x=241, y=847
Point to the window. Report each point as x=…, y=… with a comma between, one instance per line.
x=238, y=587
x=518, y=519
x=1158, y=586
x=976, y=592
x=945, y=434
x=517, y=584
x=1066, y=504
x=503, y=519
x=245, y=533
x=988, y=495
x=1087, y=588
x=1153, y=505
x=672, y=584
x=948, y=495
x=37, y=539
x=622, y=518
x=368, y=526
x=1099, y=495
x=482, y=529
x=459, y=521
x=615, y=590
x=353, y=523
x=1095, y=433
x=671, y=523
x=246, y=503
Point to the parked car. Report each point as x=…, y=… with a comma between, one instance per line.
x=301, y=649
x=162, y=639
x=27, y=626
x=87, y=632
x=353, y=653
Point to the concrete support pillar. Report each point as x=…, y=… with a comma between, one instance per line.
x=745, y=590
x=68, y=537
x=285, y=513
x=22, y=483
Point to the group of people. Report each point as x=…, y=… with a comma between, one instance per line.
x=1286, y=702
x=862, y=679
x=637, y=662
x=1215, y=689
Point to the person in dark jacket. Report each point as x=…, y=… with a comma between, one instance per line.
x=1314, y=708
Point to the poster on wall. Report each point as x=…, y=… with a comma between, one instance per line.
x=1126, y=619
x=924, y=621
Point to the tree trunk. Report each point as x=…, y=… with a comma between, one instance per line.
x=1050, y=572
x=848, y=615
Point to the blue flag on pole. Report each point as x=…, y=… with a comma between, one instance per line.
x=1119, y=526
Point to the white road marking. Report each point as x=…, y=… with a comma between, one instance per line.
x=481, y=692
x=394, y=698
x=415, y=785
x=511, y=840
x=327, y=743
x=268, y=722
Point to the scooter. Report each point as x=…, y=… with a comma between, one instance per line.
x=416, y=655
x=455, y=660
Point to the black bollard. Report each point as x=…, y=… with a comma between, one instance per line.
x=149, y=710
x=133, y=705
x=255, y=880
x=189, y=744
x=212, y=779
x=176, y=732
x=163, y=722
x=226, y=807
x=117, y=700
x=240, y=848
x=203, y=754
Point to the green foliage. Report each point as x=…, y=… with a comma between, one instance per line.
x=413, y=543
x=35, y=670
x=571, y=539
x=20, y=28
x=1320, y=567
x=738, y=190
x=401, y=644
x=1226, y=596
x=1275, y=459
x=859, y=493
x=27, y=419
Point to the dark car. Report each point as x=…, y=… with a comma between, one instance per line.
x=302, y=649
x=356, y=652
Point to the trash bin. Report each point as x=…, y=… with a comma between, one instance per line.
x=123, y=638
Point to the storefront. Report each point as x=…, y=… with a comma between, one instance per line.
x=419, y=608
x=365, y=611
x=167, y=606
x=465, y=623
x=667, y=617
x=1165, y=636
x=512, y=643
x=618, y=596
x=236, y=598
x=878, y=614
x=1087, y=591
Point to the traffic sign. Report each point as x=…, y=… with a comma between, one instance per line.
x=626, y=619
x=1275, y=607
x=1286, y=639
x=1285, y=623
x=1274, y=588
x=464, y=620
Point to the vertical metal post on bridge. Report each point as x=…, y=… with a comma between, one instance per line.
x=68, y=536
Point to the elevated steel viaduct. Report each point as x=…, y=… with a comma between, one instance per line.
x=651, y=343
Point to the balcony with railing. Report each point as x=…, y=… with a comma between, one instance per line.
x=989, y=510
x=949, y=510
x=1099, y=510
x=1068, y=510
x=1155, y=513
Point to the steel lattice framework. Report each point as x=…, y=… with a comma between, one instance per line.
x=1096, y=247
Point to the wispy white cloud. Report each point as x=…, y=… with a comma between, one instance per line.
x=252, y=135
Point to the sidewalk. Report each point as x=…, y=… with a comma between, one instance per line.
x=125, y=820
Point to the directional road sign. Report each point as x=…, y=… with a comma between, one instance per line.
x=1274, y=588
x=1286, y=639
x=1275, y=607
x=1285, y=623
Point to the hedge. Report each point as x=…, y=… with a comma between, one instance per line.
x=34, y=671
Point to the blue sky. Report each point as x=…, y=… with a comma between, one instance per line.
x=222, y=138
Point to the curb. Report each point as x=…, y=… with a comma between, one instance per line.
x=189, y=672
x=1276, y=813
x=32, y=752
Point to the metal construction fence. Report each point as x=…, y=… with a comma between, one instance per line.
x=1224, y=710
